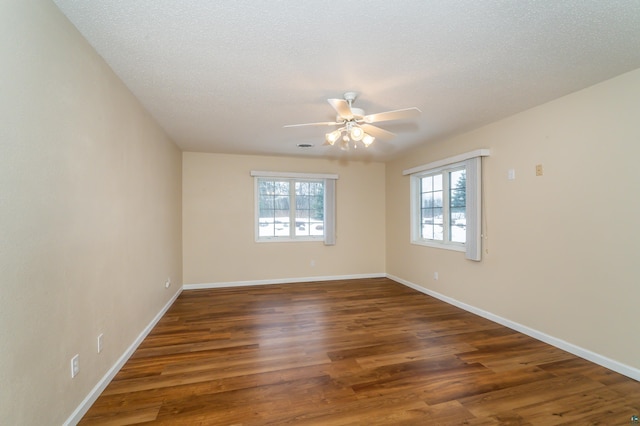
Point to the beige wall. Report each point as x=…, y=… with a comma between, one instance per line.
x=91, y=192
x=561, y=250
x=218, y=228
x=90, y=215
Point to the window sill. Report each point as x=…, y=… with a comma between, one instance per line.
x=452, y=247
x=289, y=240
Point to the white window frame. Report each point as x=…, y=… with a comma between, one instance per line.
x=329, y=219
x=471, y=162
x=416, y=197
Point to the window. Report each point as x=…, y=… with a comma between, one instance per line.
x=441, y=212
x=446, y=203
x=290, y=208
x=294, y=207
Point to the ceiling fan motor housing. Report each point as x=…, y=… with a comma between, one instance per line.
x=358, y=114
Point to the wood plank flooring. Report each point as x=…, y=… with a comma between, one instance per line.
x=352, y=352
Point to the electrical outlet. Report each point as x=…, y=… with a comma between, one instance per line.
x=539, y=171
x=167, y=283
x=435, y=276
x=75, y=365
x=100, y=341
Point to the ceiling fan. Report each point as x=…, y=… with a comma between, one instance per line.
x=355, y=125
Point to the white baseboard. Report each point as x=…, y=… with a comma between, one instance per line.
x=596, y=358
x=84, y=406
x=280, y=281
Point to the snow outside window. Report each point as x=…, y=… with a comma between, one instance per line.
x=446, y=204
x=290, y=209
x=440, y=216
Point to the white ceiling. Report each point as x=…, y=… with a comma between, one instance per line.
x=225, y=76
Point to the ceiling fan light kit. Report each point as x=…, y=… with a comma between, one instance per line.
x=367, y=140
x=356, y=133
x=352, y=132
x=356, y=125
x=332, y=137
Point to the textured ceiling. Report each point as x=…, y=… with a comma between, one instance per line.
x=225, y=76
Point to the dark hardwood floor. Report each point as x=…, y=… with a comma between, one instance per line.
x=353, y=352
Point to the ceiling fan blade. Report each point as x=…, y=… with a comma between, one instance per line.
x=342, y=108
x=398, y=114
x=377, y=132
x=323, y=123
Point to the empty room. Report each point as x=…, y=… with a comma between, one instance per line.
x=319, y=212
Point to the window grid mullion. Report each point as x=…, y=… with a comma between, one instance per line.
x=445, y=209
x=416, y=208
x=446, y=230
x=307, y=192
x=292, y=208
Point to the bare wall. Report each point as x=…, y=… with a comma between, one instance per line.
x=218, y=227
x=561, y=250
x=90, y=215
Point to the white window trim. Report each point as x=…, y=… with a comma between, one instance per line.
x=329, y=202
x=447, y=161
x=471, y=161
x=288, y=175
x=415, y=201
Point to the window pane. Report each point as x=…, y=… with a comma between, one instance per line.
x=265, y=223
x=275, y=207
x=281, y=202
x=437, y=182
x=458, y=185
x=437, y=199
x=458, y=220
x=440, y=204
x=302, y=225
x=317, y=207
x=302, y=202
x=458, y=226
x=316, y=188
x=266, y=187
x=427, y=200
x=302, y=188
x=267, y=204
x=302, y=209
x=281, y=187
x=427, y=184
x=309, y=209
x=427, y=231
x=458, y=178
x=438, y=224
x=431, y=207
x=458, y=198
x=281, y=223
